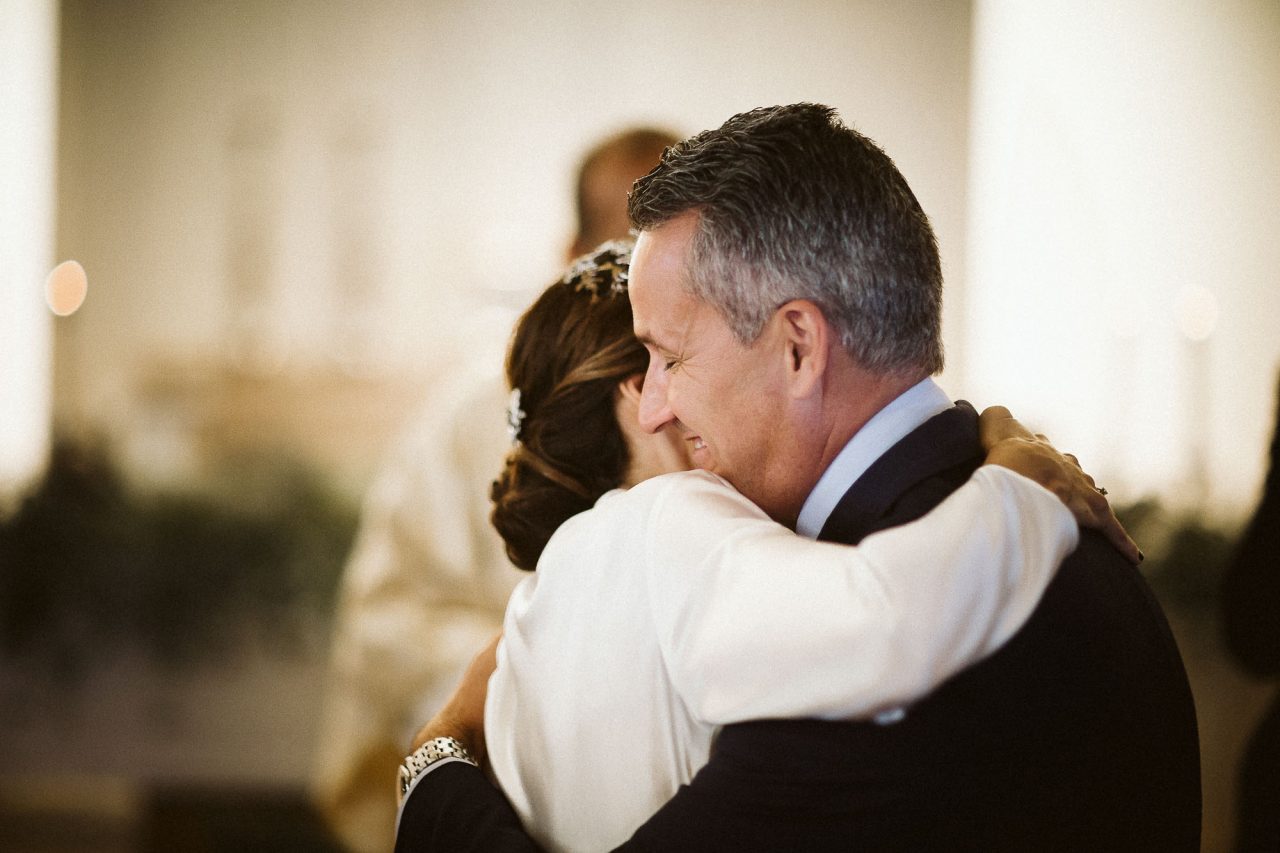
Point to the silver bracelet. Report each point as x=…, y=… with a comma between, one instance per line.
x=434, y=750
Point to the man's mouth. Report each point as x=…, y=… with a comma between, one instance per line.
x=698, y=443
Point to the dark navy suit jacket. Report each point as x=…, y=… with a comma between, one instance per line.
x=1079, y=734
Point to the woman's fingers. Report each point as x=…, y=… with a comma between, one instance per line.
x=1012, y=445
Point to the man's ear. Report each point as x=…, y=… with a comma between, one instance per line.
x=807, y=338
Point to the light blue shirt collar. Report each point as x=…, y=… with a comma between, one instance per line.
x=886, y=428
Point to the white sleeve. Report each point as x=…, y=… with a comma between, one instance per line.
x=756, y=622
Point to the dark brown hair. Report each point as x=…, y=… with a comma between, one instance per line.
x=568, y=354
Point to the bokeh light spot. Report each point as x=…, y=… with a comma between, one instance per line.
x=65, y=288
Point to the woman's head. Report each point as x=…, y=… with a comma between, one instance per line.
x=570, y=352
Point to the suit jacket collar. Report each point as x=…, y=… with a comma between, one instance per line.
x=944, y=441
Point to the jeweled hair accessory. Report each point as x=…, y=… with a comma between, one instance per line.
x=603, y=271
x=515, y=416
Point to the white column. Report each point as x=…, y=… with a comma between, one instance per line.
x=28, y=118
x=1124, y=199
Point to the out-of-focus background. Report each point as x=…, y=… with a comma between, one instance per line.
x=298, y=218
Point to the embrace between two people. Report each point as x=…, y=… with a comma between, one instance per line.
x=680, y=671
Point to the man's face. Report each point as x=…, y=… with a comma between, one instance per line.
x=726, y=400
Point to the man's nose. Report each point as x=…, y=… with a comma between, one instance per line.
x=655, y=413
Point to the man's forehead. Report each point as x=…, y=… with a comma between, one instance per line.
x=657, y=292
x=666, y=315
x=649, y=326
x=663, y=251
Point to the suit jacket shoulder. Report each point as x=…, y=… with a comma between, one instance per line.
x=1045, y=745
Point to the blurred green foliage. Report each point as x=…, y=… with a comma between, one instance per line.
x=1186, y=555
x=89, y=563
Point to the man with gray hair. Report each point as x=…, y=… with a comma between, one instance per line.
x=787, y=286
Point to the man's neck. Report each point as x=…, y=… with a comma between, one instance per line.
x=818, y=429
x=852, y=409
x=865, y=442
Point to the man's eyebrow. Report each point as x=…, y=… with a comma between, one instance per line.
x=648, y=340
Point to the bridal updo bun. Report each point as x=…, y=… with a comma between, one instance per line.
x=568, y=354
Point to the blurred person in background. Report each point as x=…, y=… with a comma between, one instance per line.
x=1251, y=616
x=427, y=580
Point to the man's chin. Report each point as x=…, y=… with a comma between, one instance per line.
x=702, y=459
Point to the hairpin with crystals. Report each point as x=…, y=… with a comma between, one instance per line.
x=603, y=271
x=515, y=416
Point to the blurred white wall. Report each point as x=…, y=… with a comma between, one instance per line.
x=28, y=113
x=374, y=188
x=304, y=184
x=1124, y=261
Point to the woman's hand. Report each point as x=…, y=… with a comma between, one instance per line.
x=1010, y=444
x=462, y=717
